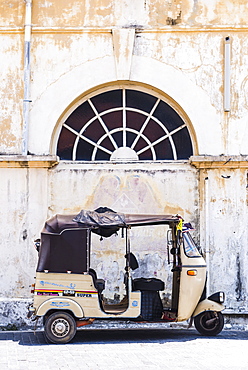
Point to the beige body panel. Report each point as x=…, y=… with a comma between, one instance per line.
x=191, y=287
x=50, y=290
x=208, y=305
x=60, y=304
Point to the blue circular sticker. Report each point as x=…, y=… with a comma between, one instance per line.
x=135, y=303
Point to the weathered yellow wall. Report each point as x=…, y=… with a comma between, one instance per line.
x=104, y=13
x=178, y=50
x=66, y=34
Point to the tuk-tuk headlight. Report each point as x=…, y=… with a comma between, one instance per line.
x=218, y=297
x=31, y=311
x=222, y=297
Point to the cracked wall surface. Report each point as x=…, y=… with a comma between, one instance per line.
x=177, y=50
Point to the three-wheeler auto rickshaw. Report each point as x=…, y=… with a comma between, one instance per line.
x=68, y=294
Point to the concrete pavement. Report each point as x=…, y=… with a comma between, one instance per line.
x=126, y=349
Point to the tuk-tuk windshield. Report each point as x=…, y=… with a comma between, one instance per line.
x=190, y=248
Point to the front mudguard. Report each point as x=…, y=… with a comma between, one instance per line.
x=64, y=304
x=207, y=305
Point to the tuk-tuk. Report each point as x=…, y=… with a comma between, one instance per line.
x=68, y=293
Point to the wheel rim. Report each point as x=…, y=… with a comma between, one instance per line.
x=209, y=321
x=60, y=327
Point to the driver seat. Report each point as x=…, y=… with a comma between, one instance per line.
x=142, y=284
x=98, y=283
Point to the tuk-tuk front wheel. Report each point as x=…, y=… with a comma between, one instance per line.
x=60, y=327
x=209, y=322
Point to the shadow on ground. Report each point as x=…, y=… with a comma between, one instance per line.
x=27, y=338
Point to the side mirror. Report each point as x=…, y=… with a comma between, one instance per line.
x=37, y=245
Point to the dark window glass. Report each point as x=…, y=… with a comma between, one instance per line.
x=163, y=150
x=84, y=151
x=167, y=116
x=130, y=138
x=94, y=131
x=107, y=144
x=65, y=144
x=154, y=131
x=113, y=120
x=141, y=143
x=102, y=156
x=80, y=116
x=107, y=100
x=140, y=100
x=118, y=137
x=183, y=144
x=146, y=156
x=135, y=120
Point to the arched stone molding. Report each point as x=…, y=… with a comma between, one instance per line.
x=48, y=111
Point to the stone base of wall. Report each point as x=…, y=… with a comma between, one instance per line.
x=236, y=322
x=13, y=316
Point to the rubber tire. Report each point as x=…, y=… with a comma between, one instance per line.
x=68, y=324
x=44, y=318
x=215, y=328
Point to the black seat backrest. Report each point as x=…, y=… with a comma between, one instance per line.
x=98, y=283
x=93, y=274
x=133, y=263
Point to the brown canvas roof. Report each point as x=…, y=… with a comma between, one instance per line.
x=105, y=220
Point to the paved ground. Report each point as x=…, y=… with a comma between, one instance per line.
x=121, y=349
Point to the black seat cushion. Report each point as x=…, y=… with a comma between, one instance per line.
x=148, y=284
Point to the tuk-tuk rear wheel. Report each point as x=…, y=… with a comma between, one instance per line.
x=209, y=322
x=60, y=327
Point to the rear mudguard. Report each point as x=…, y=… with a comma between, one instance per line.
x=60, y=304
x=207, y=305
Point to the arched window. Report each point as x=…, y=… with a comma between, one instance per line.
x=124, y=124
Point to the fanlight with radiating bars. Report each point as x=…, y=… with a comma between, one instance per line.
x=124, y=124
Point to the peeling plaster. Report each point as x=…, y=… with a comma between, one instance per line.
x=12, y=13
x=107, y=13
x=178, y=48
x=165, y=12
x=198, y=57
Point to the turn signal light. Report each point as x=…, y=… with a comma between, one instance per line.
x=192, y=272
